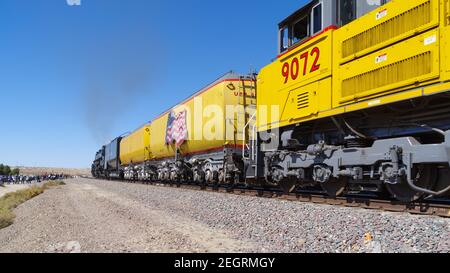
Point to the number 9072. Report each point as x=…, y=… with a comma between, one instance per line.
x=291, y=70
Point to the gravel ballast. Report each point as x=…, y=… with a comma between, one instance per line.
x=102, y=216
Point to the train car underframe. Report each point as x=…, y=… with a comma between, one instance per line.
x=402, y=147
x=400, y=150
x=222, y=167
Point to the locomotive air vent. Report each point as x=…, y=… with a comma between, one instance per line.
x=303, y=100
x=407, y=69
x=414, y=18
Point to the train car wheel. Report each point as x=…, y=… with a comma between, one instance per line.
x=335, y=186
x=288, y=186
x=426, y=177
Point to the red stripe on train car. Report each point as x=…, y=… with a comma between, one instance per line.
x=201, y=92
x=217, y=149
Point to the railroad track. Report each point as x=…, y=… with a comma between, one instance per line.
x=440, y=208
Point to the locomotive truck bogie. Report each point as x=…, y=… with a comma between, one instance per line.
x=391, y=162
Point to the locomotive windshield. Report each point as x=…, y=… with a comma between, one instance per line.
x=300, y=30
x=300, y=26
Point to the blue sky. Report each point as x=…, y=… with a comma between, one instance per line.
x=74, y=77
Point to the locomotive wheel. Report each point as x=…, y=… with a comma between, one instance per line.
x=335, y=186
x=426, y=177
x=288, y=186
x=208, y=177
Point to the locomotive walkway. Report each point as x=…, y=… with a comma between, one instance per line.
x=102, y=216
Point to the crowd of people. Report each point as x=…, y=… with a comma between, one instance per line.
x=29, y=179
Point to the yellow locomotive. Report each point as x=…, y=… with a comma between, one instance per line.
x=361, y=95
x=394, y=53
x=356, y=101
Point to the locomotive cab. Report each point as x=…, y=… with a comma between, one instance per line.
x=318, y=15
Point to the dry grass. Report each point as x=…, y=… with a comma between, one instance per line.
x=12, y=200
x=52, y=184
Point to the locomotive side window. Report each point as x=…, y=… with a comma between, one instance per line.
x=350, y=10
x=300, y=30
x=317, y=18
x=347, y=11
x=284, y=39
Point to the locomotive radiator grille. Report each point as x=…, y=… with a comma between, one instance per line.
x=402, y=23
x=397, y=72
x=447, y=12
x=303, y=100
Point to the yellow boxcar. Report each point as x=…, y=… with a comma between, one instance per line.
x=135, y=148
x=214, y=119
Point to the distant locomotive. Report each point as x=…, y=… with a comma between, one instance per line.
x=356, y=101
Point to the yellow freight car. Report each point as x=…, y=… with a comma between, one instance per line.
x=135, y=148
x=134, y=152
x=214, y=119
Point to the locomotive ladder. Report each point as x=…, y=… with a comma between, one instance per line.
x=249, y=147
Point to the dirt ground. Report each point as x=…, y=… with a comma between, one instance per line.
x=81, y=217
x=93, y=216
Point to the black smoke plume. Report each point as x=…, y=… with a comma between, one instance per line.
x=120, y=72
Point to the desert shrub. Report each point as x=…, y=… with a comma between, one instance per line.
x=12, y=200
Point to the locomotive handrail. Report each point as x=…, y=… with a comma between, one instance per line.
x=447, y=12
x=244, y=137
x=254, y=143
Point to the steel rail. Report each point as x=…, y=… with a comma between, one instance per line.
x=439, y=208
